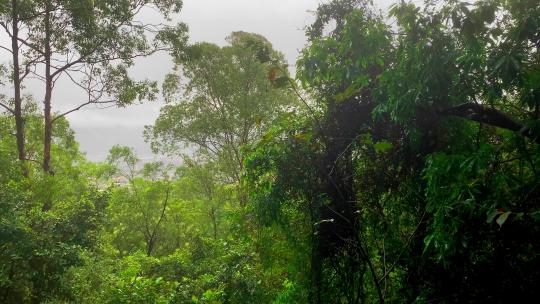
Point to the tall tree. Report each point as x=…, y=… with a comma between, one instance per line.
x=226, y=101
x=91, y=44
x=13, y=14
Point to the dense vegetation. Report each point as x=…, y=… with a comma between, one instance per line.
x=400, y=165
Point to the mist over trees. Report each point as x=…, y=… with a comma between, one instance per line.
x=399, y=164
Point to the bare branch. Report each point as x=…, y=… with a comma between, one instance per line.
x=32, y=16
x=77, y=83
x=6, y=49
x=7, y=108
x=31, y=46
x=8, y=32
x=28, y=65
x=80, y=107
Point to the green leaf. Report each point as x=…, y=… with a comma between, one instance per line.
x=281, y=82
x=502, y=219
x=491, y=215
x=382, y=146
x=427, y=242
x=535, y=215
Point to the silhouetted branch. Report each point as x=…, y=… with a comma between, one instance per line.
x=490, y=116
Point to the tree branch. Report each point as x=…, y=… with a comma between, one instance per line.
x=96, y=47
x=6, y=29
x=28, y=65
x=80, y=107
x=7, y=108
x=6, y=49
x=31, y=46
x=490, y=116
x=156, y=227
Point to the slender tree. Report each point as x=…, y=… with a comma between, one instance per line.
x=13, y=14
x=91, y=44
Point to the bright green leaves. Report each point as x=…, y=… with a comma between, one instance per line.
x=502, y=218
x=382, y=146
x=288, y=294
x=279, y=77
x=89, y=45
x=230, y=97
x=125, y=90
x=257, y=44
x=341, y=68
x=175, y=40
x=499, y=214
x=122, y=156
x=423, y=68
x=407, y=15
x=37, y=247
x=513, y=65
x=433, y=202
x=451, y=55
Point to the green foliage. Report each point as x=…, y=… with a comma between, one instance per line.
x=217, y=114
x=341, y=65
x=423, y=195
x=37, y=246
x=409, y=175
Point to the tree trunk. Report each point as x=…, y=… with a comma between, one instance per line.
x=214, y=221
x=19, y=120
x=316, y=274
x=150, y=247
x=152, y=237
x=337, y=223
x=47, y=136
x=47, y=127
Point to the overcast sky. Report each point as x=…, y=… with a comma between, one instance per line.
x=282, y=22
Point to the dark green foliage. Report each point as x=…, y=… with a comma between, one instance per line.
x=420, y=172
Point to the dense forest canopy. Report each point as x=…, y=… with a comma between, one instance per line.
x=399, y=164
